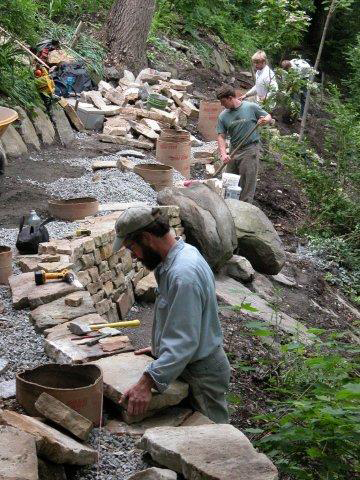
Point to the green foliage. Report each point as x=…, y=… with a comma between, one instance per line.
x=353, y=83
x=332, y=186
x=72, y=9
x=20, y=18
x=223, y=18
x=334, y=211
x=343, y=142
x=312, y=431
x=16, y=79
x=281, y=24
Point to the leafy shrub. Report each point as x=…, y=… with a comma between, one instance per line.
x=312, y=431
x=72, y=9
x=223, y=18
x=20, y=17
x=281, y=24
x=16, y=79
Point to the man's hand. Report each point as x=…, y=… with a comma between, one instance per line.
x=225, y=158
x=139, y=396
x=264, y=120
x=143, y=351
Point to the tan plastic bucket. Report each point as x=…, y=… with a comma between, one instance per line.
x=159, y=176
x=5, y=264
x=173, y=148
x=78, y=386
x=208, y=116
x=73, y=208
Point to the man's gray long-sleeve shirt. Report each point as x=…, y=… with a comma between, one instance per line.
x=186, y=325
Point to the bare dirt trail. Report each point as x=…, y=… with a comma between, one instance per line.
x=19, y=192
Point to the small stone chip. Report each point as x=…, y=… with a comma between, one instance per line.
x=74, y=299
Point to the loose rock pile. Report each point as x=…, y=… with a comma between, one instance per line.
x=130, y=117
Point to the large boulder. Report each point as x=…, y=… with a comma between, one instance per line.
x=206, y=219
x=256, y=237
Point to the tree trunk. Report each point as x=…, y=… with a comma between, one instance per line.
x=316, y=66
x=127, y=30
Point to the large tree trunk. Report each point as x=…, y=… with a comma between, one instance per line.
x=127, y=30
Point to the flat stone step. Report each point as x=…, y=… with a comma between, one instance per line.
x=234, y=293
x=208, y=452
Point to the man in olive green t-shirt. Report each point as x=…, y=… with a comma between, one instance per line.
x=236, y=122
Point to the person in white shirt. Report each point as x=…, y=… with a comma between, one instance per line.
x=303, y=68
x=265, y=82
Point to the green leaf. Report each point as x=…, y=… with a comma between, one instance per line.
x=233, y=398
x=254, y=430
x=248, y=307
x=314, y=452
x=350, y=390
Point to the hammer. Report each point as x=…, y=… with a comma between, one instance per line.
x=104, y=332
x=79, y=329
x=66, y=275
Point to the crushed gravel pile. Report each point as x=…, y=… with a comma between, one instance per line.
x=19, y=343
x=119, y=458
x=108, y=185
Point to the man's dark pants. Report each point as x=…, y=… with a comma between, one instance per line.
x=246, y=163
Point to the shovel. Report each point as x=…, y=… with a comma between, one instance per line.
x=221, y=168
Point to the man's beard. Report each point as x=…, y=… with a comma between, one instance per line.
x=151, y=259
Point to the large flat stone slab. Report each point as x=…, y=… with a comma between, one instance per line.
x=60, y=347
x=169, y=417
x=208, y=452
x=63, y=126
x=27, y=129
x=18, y=459
x=32, y=263
x=122, y=371
x=56, y=312
x=50, y=443
x=43, y=126
x=26, y=294
x=234, y=293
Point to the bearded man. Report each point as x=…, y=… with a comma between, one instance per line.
x=186, y=335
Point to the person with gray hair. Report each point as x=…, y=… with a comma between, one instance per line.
x=186, y=334
x=265, y=81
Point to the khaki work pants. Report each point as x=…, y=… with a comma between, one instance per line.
x=209, y=380
x=246, y=163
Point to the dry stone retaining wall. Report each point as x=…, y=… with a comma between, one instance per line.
x=109, y=277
